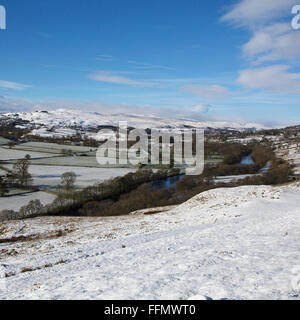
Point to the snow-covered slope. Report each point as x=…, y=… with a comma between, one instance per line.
x=85, y=119
x=240, y=243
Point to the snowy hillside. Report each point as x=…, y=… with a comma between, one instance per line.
x=240, y=243
x=66, y=118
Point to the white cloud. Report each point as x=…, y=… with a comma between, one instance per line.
x=110, y=77
x=275, y=42
x=272, y=39
x=10, y=104
x=273, y=79
x=207, y=92
x=255, y=13
x=200, y=109
x=142, y=65
x=12, y=85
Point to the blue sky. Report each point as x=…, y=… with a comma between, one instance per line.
x=210, y=60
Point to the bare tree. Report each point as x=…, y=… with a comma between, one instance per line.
x=67, y=182
x=8, y=215
x=67, y=152
x=21, y=170
x=33, y=208
x=3, y=187
x=11, y=144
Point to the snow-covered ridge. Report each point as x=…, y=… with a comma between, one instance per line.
x=86, y=119
x=232, y=243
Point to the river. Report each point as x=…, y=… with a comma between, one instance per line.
x=247, y=160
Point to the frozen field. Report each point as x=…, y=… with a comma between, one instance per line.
x=239, y=243
x=50, y=176
x=51, y=147
x=89, y=161
x=57, y=133
x=18, y=201
x=2, y=172
x=7, y=154
x=229, y=179
x=3, y=141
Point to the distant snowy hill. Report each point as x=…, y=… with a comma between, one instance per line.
x=69, y=118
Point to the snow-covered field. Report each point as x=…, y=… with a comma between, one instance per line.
x=257, y=138
x=51, y=175
x=51, y=147
x=234, y=178
x=3, y=141
x=13, y=154
x=20, y=200
x=88, y=161
x=229, y=179
x=240, y=243
x=56, y=133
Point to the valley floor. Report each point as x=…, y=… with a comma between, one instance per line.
x=233, y=243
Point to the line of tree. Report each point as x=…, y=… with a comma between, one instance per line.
x=122, y=195
x=19, y=177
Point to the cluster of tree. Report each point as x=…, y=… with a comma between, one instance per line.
x=32, y=209
x=35, y=208
x=21, y=173
x=69, y=200
x=75, y=139
x=9, y=129
x=67, y=152
x=3, y=187
x=279, y=173
x=121, y=196
x=19, y=177
x=232, y=152
x=66, y=186
x=260, y=153
x=132, y=192
x=146, y=197
x=141, y=198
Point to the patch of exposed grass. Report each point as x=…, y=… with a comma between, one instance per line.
x=36, y=237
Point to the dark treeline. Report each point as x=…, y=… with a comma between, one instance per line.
x=261, y=155
x=144, y=196
x=122, y=195
x=71, y=203
x=75, y=140
x=19, y=177
x=10, y=130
